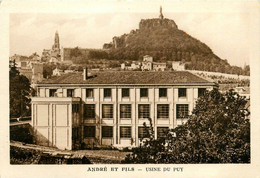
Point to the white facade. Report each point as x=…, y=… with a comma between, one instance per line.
x=54, y=121
x=159, y=66
x=57, y=72
x=147, y=66
x=148, y=58
x=123, y=66
x=52, y=112
x=135, y=65
x=176, y=65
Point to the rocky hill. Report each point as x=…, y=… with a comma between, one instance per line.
x=156, y=34
x=161, y=38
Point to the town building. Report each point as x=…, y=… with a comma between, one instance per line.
x=135, y=65
x=109, y=108
x=148, y=64
x=147, y=58
x=20, y=61
x=57, y=72
x=37, y=73
x=31, y=67
x=123, y=66
x=159, y=66
x=178, y=66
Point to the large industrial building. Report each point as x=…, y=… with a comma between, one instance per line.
x=109, y=108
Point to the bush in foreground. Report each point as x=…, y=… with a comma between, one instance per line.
x=218, y=131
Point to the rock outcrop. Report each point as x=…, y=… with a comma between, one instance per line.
x=157, y=23
x=145, y=24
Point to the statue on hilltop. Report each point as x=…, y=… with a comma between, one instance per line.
x=161, y=15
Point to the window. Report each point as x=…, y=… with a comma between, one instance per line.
x=125, y=92
x=182, y=111
x=162, y=132
x=89, y=111
x=70, y=92
x=182, y=92
x=75, y=108
x=52, y=92
x=143, y=132
x=75, y=133
x=125, y=110
x=201, y=91
x=89, y=93
x=89, y=131
x=107, y=93
x=162, y=111
x=107, y=132
x=144, y=92
x=107, y=111
x=143, y=111
x=125, y=132
x=75, y=114
x=162, y=92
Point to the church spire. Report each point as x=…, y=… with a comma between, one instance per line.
x=161, y=15
x=56, y=41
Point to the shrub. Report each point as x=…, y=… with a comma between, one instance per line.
x=218, y=131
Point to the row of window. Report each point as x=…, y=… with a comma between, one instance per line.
x=182, y=111
x=182, y=92
x=125, y=132
x=53, y=92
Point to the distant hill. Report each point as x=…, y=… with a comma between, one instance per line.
x=161, y=38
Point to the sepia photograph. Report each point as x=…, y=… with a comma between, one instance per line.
x=113, y=85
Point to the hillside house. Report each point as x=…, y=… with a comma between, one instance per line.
x=178, y=66
x=57, y=72
x=32, y=69
x=147, y=63
x=159, y=66
x=134, y=65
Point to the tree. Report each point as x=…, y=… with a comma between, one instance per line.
x=48, y=69
x=246, y=70
x=218, y=131
x=20, y=91
x=75, y=52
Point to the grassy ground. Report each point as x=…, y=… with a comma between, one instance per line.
x=94, y=156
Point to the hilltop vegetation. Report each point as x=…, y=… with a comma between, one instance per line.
x=163, y=44
x=167, y=43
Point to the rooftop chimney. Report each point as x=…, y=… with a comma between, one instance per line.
x=85, y=73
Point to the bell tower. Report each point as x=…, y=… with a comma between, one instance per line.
x=56, y=45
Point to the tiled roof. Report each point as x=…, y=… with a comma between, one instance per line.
x=129, y=77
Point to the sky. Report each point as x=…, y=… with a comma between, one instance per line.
x=227, y=32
